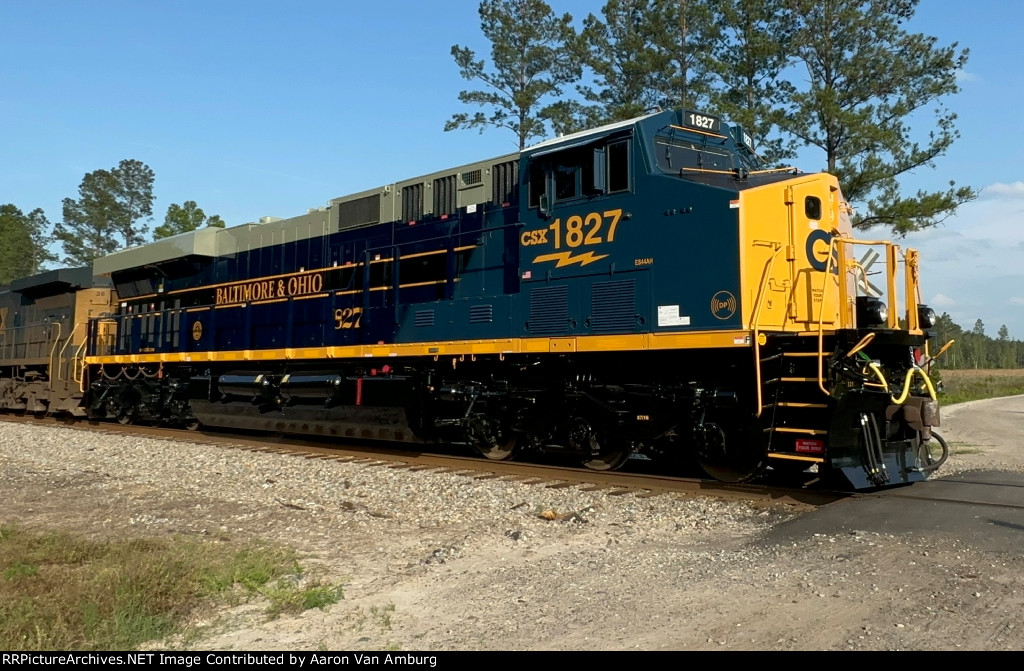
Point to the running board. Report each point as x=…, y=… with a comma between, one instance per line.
x=793, y=429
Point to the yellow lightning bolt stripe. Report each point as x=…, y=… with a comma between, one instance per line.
x=567, y=259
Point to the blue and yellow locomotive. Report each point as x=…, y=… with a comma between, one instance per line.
x=643, y=289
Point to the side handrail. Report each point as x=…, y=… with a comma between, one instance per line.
x=821, y=318
x=755, y=325
x=76, y=374
x=67, y=342
x=56, y=340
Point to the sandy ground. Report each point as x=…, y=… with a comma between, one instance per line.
x=431, y=564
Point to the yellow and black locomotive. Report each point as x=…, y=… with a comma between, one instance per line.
x=644, y=289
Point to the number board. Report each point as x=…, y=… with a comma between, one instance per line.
x=704, y=122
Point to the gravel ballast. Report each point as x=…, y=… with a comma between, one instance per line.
x=440, y=561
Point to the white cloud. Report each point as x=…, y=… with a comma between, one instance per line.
x=965, y=76
x=941, y=301
x=1016, y=300
x=1012, y=190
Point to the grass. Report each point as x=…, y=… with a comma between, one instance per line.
x=963, y=448
x=59, y=592
x=971, y=385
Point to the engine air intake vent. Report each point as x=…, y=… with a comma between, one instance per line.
x=424, y=318
x=549, y=310
x=481, y=314
x=472, y=177
x=613, y=306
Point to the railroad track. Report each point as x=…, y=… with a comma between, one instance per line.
x=542, y=475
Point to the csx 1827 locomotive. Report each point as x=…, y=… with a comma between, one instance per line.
x=644, y=289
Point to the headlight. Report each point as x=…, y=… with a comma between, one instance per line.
x=871, y=312
x=881, y=313
x=926, y=317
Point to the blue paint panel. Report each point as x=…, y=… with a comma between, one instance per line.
x=661, y=255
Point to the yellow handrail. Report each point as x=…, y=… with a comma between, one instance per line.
x=821, y=318
x=861, y=345
x=66, y=343
x=49, y=379
x=74, y=367
x=755, y=325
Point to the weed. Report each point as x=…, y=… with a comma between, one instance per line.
x=285, y=598
x=964, y=448
x=20, y=570
x=382, y=615
x=60, y=592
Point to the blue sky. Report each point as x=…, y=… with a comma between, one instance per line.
x=265, y=108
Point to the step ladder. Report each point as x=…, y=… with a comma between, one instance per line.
x=794, y=410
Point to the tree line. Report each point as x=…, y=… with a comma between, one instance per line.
x=110, y=213
x=974, y=349
x=843, y=76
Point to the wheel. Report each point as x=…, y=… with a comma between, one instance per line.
x=731, y=452
x=500, y=448
x=609, y=457
x=492, y=438
x=124, y=418
x=606, y=453
x=192, y=424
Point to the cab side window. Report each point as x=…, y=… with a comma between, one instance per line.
x=566, y=181
x=538, y=183
x=618, y=166
x=582, y=172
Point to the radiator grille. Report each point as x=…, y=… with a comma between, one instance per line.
x=412, y=202
x=424, y=318
x=360, y=211
x=505, y=182
x=444, y=196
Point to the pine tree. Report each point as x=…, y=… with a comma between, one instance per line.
x=89, y=225
x=531, y=61
x=619, y=51
x=134, y=195
x=867, y=76
x=183, y=218
x=110, y=203
x=753, y=49
x=41, y=233
x=684, y=34
x=15, y=244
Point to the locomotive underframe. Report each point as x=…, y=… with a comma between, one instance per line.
x=601, y=409
x=29, y=389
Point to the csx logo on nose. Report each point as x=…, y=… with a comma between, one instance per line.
x=533, y=237
x=817, y=247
